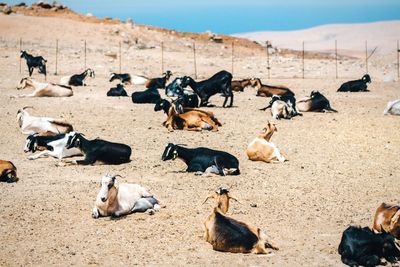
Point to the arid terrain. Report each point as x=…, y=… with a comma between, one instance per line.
x=340, y=166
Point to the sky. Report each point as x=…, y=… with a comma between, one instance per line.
x=237, y=16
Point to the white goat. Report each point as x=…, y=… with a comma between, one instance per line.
x=55, y=146
x=31, y=124
x=121, y=200
x=44, y=89
x=393, y=108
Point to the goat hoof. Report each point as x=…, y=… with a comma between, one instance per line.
x=150, y=211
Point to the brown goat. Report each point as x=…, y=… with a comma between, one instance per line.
x=387, y=219
x=8, y=172
x=229, y=235
x=192, y=120
x=269, y=90
x=239, y=85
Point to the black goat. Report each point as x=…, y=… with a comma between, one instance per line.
x=117, y=91
x=159, y=82
x=175, y=88
x=361, y=246
x=99, y=150
x=218, y=83
x=203, y=160
x=77, y=79
x=123, y=77
x=289, y=99
x=150, y=95
x=182, y=104
x=315, y=102
x=34, y=62
x=356, y=85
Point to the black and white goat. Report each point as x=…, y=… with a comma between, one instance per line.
x=34, y=62
x=123, y=77
x=203, y=160
x=315, y=102
x=117, y=91
x=99, y=150
x=77, y=79
x=288, y=103
x=53, y=145
x=361, y=246
x=182, y=103
x=175, y=88
x=356, y=85
x=150, y=95
x=218, y=83
x=159, y=83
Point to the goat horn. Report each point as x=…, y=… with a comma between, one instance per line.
x=234, y=198
x=208, y=197
x=117, y=175
x=28, y=107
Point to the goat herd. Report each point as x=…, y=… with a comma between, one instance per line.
x=56, y=138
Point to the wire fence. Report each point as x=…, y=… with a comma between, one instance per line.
x=201, y=60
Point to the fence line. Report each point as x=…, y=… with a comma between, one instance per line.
x=283, y=66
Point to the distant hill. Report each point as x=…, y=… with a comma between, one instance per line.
x=350, y=37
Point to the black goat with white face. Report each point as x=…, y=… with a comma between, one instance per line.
x=203, y=160
x=159, y=83
x=316, y=102
x=361, y=246
x=123, y=77
x=117, y=91
x=99, y=150
x=77, y=79
x=356, y=85
x=34, y=62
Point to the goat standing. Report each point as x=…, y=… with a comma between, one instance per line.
x=34, y=62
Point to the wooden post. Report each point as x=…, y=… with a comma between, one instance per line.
x=366, y=56
x=55, y=73
x=85, y=56
x=268, y=67
x=398, y=59
x=303, y=59
x=194, y=61
x=336, y=59
x=120, y=57
x=162, y=57
x=232, y=56
x=20, y=59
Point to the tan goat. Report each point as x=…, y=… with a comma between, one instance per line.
x=8, y=172
x=387, y=219
x=229, y=235
x=44, y=89
x=261, y=149
x=192, y=120
x=269, y=90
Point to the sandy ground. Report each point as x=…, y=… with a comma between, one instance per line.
x=341, y=167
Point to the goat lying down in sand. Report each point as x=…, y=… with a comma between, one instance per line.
x=122, y=200
x=44, y=89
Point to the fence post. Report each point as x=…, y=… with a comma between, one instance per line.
x=268, y=67
x=336, y=59
x=232, y=56
x=162, y=57
x=366, y=56
x=303, y=59
x=85, y=56
x=120, y=57
x=398, y=59
x=55, y=73
x=20, y=59
x=194, y=60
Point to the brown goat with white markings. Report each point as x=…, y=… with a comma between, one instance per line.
x=192, y=120
x=229, y=235
x=387, y=219
x=8, y=172
x=269, y=90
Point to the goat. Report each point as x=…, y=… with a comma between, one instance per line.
x=8, y=172
x=44, y=89
x=175, y=88
x=356, y=85
x=192, y=120
x=203, y=160
x=218, y=83
x=31, y=124
x=262, y=149
x=230, y=235
x=117, y=201
x=34, y=62
x=393, y=108
x=239, y=85
x=54, y=146
x=361, y=246
x=117, y=91
x=387, y=219
x=149, y=96
x=77, y=79
x=123, y=77
x=182, y=104
x=269, y=90
x=99, y=150
x=285, y=110
x=159, y=82
x=315, y=102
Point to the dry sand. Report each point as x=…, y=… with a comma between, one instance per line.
x=341, y=166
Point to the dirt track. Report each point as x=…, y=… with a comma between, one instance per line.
x=341, y=167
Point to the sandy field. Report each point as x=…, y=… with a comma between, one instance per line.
x=340, y=166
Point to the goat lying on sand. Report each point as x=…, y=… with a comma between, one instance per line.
x=117, y=91
x=44, y=89
x=262, y=149
x=387, y=219
x=77, y=79
x=269, y=90
x=393, y=108
x=123, y=199
x=230, y=235
x=8, y=172
x=356, y=85
x=125, y=78
x=315, y=102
